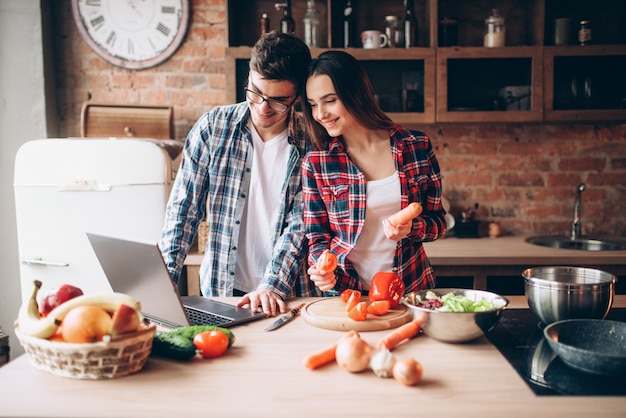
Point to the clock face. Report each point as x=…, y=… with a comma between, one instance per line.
x=132, y=34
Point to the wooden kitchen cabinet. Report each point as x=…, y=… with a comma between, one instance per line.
x=586, y=85
x=472, y=83
x=526, y=81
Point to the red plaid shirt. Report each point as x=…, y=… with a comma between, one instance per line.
x=334, y=191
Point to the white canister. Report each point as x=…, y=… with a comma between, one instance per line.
x=495, y=31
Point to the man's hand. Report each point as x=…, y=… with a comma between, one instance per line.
x=269, y=302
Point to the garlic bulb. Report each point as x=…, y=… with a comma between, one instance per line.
x=382, y=362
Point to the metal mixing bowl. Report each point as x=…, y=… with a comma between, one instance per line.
x=558, y=293
x=457, y=327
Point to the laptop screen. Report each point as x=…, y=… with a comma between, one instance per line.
x=137, y=269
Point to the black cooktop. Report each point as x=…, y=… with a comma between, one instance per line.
x=519, y=337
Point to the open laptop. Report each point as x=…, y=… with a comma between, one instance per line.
x=137, y=269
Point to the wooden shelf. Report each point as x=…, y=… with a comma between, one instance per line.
x=565, y=71
x=463, y=83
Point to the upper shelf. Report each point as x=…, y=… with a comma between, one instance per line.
x=464, y=82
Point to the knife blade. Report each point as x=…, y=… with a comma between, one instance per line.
x=285, y=318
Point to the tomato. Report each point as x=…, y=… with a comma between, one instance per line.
x=378, y=307
x=211, y=343
x=345, y=295
x=387, y=285
x=359, y=312
x=352, y=301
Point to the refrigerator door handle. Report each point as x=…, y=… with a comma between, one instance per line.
x=40, y=262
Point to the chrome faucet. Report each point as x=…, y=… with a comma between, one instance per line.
x=576, y=225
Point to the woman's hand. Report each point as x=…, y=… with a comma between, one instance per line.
x=323, y=280
x=399, y=232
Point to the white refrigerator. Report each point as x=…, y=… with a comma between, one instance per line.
x=65, y=187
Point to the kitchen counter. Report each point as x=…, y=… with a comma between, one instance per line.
x=263, y=375
x=481, y=258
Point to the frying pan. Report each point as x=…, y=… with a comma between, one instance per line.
x=590, y=345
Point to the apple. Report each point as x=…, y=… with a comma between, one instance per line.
x=57, y=296
x=125, y=319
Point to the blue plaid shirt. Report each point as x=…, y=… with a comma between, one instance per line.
x=214, y=178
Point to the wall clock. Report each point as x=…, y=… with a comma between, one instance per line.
x=134, y=34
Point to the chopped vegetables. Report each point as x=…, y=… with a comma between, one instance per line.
x=451, y=302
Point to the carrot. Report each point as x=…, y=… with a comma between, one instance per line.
x=320, y=358
x=405, y=215
x=327, y=262
x=404, y=332
x=327, y=355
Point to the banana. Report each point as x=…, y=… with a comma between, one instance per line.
x=29, y=311
x=35, y=326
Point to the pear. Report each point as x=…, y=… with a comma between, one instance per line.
x=125, y=319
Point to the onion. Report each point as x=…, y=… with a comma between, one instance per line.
x=353, y=353
x=408, y=371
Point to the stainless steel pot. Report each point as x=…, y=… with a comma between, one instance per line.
x=562, y=292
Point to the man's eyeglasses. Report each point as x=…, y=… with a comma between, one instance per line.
x=258, y=99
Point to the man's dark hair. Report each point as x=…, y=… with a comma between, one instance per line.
x=280, y=56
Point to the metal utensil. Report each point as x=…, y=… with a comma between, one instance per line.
x=285, y=318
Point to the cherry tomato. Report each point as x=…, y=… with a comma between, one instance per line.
x=387, y=285
x=345, y=295
x=211, y=343
x=378, y=307
x=359, y=312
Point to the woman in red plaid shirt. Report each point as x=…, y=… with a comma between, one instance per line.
x=364, y=169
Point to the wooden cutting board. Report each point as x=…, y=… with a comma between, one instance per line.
x=330, y=313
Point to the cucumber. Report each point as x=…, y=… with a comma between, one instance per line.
x=178, y=343
x=167, y=344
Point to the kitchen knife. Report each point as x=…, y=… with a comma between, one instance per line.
x=285, y=318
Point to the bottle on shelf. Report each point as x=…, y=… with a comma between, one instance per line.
x=287, y=24
x=349, y=28
x=410, y=25
x=584, y=32
x=311, y=25
x=265, y=24
x=495, y=31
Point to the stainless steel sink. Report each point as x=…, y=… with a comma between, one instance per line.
x=582, y=243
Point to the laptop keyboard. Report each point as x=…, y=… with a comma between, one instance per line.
x=205, y=318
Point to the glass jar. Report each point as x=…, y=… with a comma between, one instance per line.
x=495, y=30
x=394, y=32
x=584, y=32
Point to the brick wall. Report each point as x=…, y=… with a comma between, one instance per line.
x=523, y=176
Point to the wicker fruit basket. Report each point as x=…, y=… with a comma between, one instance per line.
x=102, y=360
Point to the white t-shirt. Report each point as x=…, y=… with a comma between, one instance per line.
x=269, y=166
x=373, y=251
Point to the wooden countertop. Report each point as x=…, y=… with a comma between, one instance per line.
x=480, y=258
x=263, y=375
x=506, y=250
x=512, y=250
